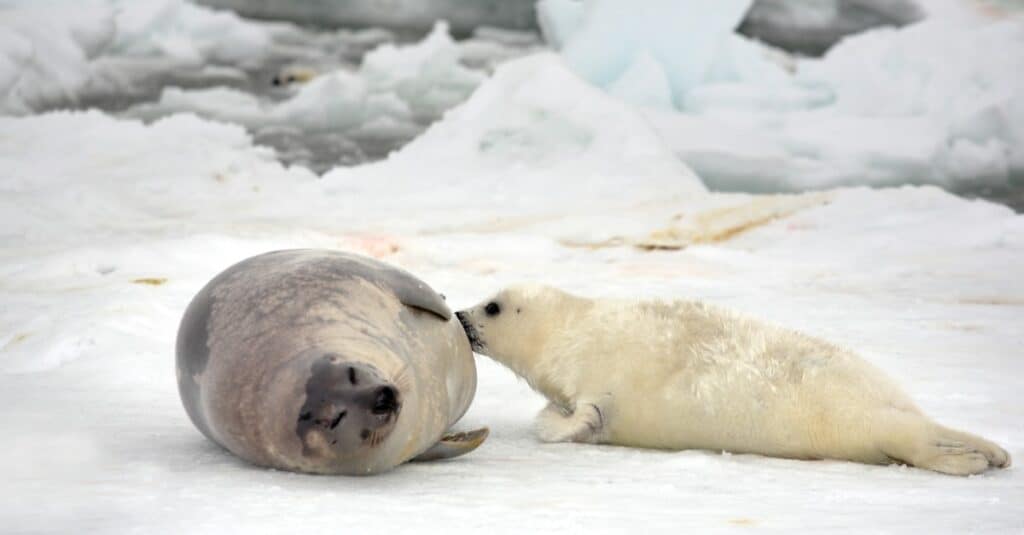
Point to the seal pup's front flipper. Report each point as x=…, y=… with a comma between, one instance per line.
x=587, y=422
x=454, y=445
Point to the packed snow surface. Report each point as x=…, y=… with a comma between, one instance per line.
x=111, y=225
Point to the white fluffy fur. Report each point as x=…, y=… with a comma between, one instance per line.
x=684, y=375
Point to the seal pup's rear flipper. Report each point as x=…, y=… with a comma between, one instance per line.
x=454, y=444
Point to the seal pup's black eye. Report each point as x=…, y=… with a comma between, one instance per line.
x=492, y=309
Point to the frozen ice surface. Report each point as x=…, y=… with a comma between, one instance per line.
x=683, y=35
x=537, y=177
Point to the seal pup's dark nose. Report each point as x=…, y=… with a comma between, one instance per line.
x=471, y=333
x=466, y=325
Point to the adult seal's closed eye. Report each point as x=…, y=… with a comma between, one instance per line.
x=325, y=362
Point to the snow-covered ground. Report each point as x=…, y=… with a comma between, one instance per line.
x=110, y=225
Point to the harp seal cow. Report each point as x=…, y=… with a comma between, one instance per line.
x=325, y=362
x=683, y=374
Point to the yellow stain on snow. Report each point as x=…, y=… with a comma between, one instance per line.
x=151, y=281
x=725, y=223
x=20, y=337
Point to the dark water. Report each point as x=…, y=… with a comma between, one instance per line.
x=1011, y=194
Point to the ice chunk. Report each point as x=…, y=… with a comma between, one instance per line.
x=187, y=33
x=682, y=35
x=45, y=52
x=982, y=164
x=559, y=19
x=490, y=47
x=427, y=76
x=644, y=84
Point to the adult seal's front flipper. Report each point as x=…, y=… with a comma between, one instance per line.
x=454, y=444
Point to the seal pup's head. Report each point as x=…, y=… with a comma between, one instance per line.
x=350, y=409
x=515, y=324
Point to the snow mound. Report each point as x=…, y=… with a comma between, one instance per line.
x=531, y=124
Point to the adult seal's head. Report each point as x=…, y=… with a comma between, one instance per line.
x=325, y=362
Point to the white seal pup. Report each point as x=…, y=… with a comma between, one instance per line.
x=325, y=362
x=685, y=375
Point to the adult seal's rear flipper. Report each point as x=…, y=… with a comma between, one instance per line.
x=454, y=445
